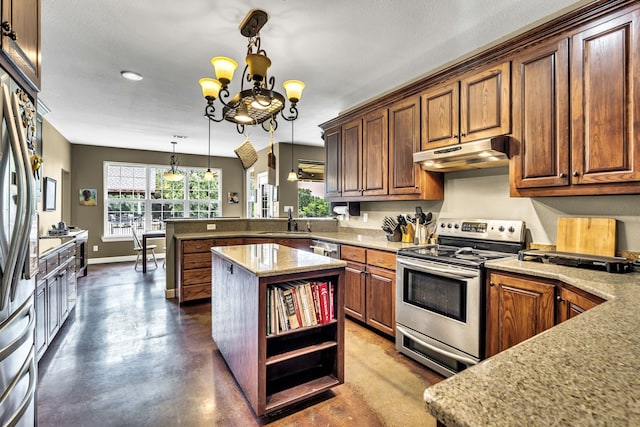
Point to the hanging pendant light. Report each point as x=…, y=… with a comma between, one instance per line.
x=173, y=174
x=208, y=175
x=293, y=175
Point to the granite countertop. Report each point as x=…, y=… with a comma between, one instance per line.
x=584, y=371
x=347, y=238
x=272, y=259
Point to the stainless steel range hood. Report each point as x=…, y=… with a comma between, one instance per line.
x=484, y=153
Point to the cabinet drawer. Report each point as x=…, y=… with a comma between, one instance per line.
x=199, y=260
x=381, y=259
x=353, y=253
x=194, y=246
x=52, y=263
x=197, y=276
x=194, y=292
x=229, y=242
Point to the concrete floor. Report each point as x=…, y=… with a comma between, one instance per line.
x=129, y=357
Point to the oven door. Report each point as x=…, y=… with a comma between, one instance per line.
x=440, y=301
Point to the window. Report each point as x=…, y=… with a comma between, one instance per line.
x=139, y=197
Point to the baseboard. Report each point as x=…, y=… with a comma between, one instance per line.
x=169, y=293
x=108, y=260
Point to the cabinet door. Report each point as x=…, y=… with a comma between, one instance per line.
x=485, y=103
x=52, y=307
x=354, y=290
x=572, y=302
x=381, y=307
x=541, y=117
x=375, y=149
x=518, y=307
x=404, y=139
x=41, y=319
x=605, y=61
x=352, y=158
x=441, y=116
x=63, y=301
x=333, y=163
x=24, y=51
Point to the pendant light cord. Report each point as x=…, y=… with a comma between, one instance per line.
x=209, y=152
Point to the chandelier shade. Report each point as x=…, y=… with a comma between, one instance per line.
x=260, y=102
x=173, y=174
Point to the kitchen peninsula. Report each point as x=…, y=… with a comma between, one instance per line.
x=581, y=372
x=275, y=368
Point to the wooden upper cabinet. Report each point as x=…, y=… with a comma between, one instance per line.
x=485, y=103
x=375, y=147
x=404, y=140
x=441, y=116
x=24, y=52
x=518, y=307
x=605, y=97
x=540, y=144
x=475, y=107
x=352, y=158
x=333, y=163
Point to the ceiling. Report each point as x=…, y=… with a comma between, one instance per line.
x=346, y=52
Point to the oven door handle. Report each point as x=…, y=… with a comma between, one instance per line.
x=449, y=271
x=466, y=360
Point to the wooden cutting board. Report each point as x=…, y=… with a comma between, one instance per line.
x=594, y=236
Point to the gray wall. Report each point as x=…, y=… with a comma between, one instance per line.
x=485, y=194
x=87, y=172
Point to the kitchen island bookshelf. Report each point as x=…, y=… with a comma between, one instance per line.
x=287, y=367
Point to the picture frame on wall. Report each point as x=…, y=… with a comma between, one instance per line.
x=50, y=194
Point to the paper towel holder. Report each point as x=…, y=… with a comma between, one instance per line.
x=346, y=208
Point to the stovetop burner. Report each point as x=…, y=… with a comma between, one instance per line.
x=471, y=242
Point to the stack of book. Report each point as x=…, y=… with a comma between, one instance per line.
x=298, y=304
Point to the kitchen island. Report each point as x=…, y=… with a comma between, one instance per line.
x=275, y=368
x=581, y=372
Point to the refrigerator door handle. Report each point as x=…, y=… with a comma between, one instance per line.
x=27, y=368
x=26, y=310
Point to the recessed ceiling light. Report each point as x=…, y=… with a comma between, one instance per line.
x=131, y=75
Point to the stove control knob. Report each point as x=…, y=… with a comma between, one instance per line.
x=442, y=225
x=511, y=229
x=449, y=225
x=456, y=226
x=501, y=229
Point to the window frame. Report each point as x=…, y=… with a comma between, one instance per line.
x=147, y=201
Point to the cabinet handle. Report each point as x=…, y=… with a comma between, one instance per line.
x=6, y=30
x=576, y=173
x=563, y=175
x=462, y=135
x=492, y=284
x=559, y=298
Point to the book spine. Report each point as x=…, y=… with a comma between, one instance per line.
x=324, y=302
x=291, y=308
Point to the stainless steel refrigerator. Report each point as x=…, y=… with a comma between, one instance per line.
x=18, y=263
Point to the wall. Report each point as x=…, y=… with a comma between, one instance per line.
x=288, y=190
x=87, y=166
x=485, y=194
x=56, y=153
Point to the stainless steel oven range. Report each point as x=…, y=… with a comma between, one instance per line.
x=440, y=291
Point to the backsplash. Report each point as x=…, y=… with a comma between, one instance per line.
x=484, y=193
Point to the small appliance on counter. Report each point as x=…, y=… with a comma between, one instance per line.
x=59, y=229
x=610, y=264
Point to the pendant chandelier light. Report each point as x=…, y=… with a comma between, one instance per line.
x=173, y=174
x=293, y=175
x=208, y=175
x=259, y=103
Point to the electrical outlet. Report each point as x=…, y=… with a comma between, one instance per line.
x=95, y=248
x=365, y=217
x=211, y=226
x=288, y=208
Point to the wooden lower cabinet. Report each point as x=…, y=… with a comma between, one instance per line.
x=521, y=306
x=194, y=282
x=370, y=286
x=572, y=301
x=518, y=307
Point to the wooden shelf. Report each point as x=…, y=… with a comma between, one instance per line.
x=300, y=392
x=300, y=352
x=303, y=328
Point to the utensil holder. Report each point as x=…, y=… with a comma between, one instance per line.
x=396, y=236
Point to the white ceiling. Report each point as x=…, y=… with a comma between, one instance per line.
x=345, y=51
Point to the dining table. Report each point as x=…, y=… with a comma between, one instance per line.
x=149, y=234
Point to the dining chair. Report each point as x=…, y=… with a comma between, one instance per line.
x=137, y=246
